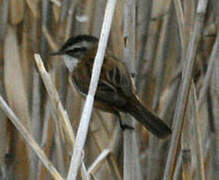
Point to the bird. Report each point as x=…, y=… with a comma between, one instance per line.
x=116, y=91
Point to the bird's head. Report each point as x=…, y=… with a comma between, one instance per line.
x=77, y=46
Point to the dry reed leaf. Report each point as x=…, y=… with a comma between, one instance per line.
x=26, y=52
x=16, y=96
x=13, y=77
x=49, y=39
x=88, y=15
x=116, y=36
x=33, y=5
x=160, y=7
x=47, y=143
x=56, y=12
x=16, y=11
x=100, y=132
x=74, y=104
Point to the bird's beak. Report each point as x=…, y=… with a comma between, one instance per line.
x=57, y=53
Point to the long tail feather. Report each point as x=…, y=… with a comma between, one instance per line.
x=152, y=122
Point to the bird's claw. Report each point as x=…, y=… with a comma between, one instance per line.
x=126, y=127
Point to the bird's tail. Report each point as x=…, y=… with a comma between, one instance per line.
x=152, y=122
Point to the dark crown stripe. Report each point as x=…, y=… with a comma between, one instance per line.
x=79, y=38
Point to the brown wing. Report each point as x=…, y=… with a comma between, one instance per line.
x=81, y=77
x=115, y=75
x=115, y=85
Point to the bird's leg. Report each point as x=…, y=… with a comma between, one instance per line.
x=134, y=74
x=123, y=126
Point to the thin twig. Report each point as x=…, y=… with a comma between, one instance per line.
x=98, y=161
x=63, y=118
x=61, y=113
x=181, y=25
x=186, y=164
x=131, y=165
x=198, y=135
x=206, y=81
x=44, y=134
x=49, y=39
x=143, y=19
x=154, y=152
x=161, y=55
x=87, y=110
x=178, y=170
x=111, y=162
x=57, y=105
x=36, y=116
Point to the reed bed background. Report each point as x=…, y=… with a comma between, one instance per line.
x=171, y=47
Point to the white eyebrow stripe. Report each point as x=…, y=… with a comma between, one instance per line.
x=74, y=47
x=82, y=44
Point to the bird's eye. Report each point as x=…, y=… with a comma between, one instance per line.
x=76, y=52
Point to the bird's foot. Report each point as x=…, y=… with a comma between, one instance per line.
x=123, y=126
x=126, y=127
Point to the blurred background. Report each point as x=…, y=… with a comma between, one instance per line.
x=161, y=32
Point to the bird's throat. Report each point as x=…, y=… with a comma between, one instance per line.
x=70, y=62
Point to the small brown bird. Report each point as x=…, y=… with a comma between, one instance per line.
x=116, y=91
